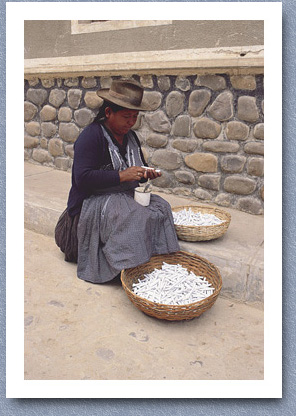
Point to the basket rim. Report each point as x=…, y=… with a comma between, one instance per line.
x=207, y=299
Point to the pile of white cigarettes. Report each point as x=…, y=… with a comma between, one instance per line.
x=173, y=285
x=189, y=217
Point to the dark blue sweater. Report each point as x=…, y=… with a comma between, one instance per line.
x=92, y=168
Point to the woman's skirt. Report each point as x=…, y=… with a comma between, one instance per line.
x=66, y=236
x=115, y=232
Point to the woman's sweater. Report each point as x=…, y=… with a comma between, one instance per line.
x=92, y=168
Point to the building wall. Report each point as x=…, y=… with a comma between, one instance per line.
x=45, y=39
x=205, y=133
x=203, y=80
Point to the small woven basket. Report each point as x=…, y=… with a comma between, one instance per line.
x=203, y=232
x=192, y=262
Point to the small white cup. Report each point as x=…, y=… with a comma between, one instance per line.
x=142, y=197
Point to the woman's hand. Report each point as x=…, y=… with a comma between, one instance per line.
x=134, y=173
x=151, y=174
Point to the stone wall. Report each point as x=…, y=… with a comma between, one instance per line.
x=205, y=133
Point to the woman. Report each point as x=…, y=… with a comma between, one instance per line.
x=103, y=228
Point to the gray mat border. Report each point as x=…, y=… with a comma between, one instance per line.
x=143, y=407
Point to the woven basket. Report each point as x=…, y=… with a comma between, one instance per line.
x=203, y=232
x=192, y=262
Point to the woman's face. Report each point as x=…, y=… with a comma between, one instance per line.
x=121, y=121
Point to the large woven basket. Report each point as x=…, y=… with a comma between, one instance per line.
x=203, y=233
x=192, y=262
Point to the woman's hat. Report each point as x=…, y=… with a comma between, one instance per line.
x=125, y=93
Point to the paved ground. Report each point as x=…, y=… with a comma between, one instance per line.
x=77, y=330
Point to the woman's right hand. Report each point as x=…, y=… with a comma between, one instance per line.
x=134, y=173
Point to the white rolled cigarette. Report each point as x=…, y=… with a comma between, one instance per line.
x=148, y=168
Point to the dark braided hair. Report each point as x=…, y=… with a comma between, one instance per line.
x=101, y=114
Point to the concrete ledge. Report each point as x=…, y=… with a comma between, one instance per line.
x=232, y=60
x=239, y=254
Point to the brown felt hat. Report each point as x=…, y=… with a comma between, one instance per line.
x=126, y=93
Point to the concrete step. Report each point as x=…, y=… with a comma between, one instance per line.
x=239, y=254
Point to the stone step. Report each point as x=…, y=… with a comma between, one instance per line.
x=239, y=254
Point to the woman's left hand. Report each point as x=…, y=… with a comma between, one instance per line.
x=151, y=174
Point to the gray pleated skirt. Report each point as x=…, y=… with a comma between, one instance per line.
x=115, y=232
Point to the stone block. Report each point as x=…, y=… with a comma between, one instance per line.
x=259, y=131
x=181, y=126
x=202, y=194
x=235, y=130
x=198, y=100
x=57, y=97
x=223, y=199
x=36, y=95
x=32, y=128
x=164, y=83
x=153, y=99
x=71, y=82
x=106, y=82
x=62, y=163
x=69, y=150
x=33, y=82
x=83, y=117
x=255, y=166
x=92, y=100
x=138, y=123
x=233, y=164
x=185, y=145
x=68, y=132
x=48, y=129
x=88, y=82
x=239, y=185
x=209, y=181
x=174, y=103
x=74, y=98
x=166, y=159
x=214, y=82
x=243, y=82
x=247, y=109
x=158, y=122
x=164, y=181
x=27, y=154
x=65, y=114
x=147, y=81
x=207, y=129
x=31, y=142
x=262, y=192
x=182, y=190
x=30, y=110
x=145, y=154
x=157, y=140
x=43, y=143
x=254, y=148
x=221, y=146
x=48, y=113
x=202, y=162
x=250, y=205
x=47, y=83
x=185, y=177
x=182, y=83
x=56, y=147
x=41, y=156
x=222, y=107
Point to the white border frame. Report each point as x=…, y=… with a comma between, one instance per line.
x=271, y=386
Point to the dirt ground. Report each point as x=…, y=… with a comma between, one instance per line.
x=81, y=331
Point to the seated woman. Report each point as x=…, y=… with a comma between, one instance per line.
x=103, y=228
